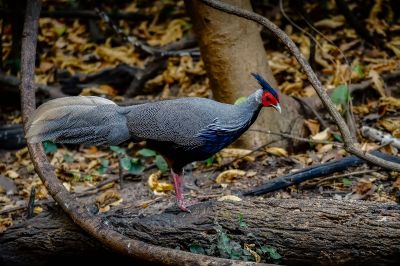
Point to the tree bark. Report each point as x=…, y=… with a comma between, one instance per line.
x=303, y=231
x=232, y=48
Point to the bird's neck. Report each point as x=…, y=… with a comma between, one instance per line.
x=250, y=108
x=252, y=104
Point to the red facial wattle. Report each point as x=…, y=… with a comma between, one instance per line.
x=269, y=100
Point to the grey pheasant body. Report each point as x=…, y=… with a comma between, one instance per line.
x=190, y=129
x=182, y=130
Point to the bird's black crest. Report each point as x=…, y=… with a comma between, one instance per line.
x=265, y=85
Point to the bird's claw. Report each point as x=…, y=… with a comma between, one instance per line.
x=183, y=206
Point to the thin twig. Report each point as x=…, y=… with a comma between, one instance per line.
x=289, y=136
x=31, y=203
x=120, y=173
x=329, y=178
x=322, y=121
x=349, y=143
x=25, y=206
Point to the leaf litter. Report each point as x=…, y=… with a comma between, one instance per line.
x=68, y=48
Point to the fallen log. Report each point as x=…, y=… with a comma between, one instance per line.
x=316, y=231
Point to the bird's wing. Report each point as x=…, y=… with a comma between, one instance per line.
x=178, y=121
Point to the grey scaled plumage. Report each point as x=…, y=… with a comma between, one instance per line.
x=182, y=130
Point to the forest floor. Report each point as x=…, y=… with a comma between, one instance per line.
x=70, y=50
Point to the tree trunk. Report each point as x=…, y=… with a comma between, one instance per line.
x=303, y=231
x=232, y=48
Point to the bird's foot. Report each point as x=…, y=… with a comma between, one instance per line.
x=183, y=204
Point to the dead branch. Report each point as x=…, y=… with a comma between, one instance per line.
x=315, y=172
x=368, y=83
x=349, y=143
x=383, y=138
x=304, y=232
x=11, y=83
x=289, y=136
x=92, y=224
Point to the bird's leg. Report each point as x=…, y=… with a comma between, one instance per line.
x=178, y=191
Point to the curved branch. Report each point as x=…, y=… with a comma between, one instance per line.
x=349, y=143
x=80, y=214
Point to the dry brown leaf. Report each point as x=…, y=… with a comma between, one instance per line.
x=2, y=167
x=377, y=81
x=157, y=186
x=228, y=176
x=324, y=148
x=107, y=200
x=4, y=224
x=67, y=186
x=331, y=23
x=37, y=210
x=323, y=135
x=233, y=152
x=4, y=199
x=118, y=54
x=249, y=247
x=21, y=153
x=229, y=198
x=277, y=151
x=396, y=184
x=251, y=173
x=313, y=125
x=12, y=174
x=390, y=124
x=390, y=103
x=303, y=158
x=363, y=186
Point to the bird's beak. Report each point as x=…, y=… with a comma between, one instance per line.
x=277, y=107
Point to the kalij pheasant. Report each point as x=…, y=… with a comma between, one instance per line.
x=182, y=130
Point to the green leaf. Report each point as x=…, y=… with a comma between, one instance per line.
x=126, y=163
x=347, y=182
x=49, y=147
x=147, y=152
x=242, y=223
x=118, y=150
x=338, y=137
x=340, y=94
x=161, y=164
x=76, y=175
x=59, y=29
x=271, y=251
x=104, y=163
x=14, y=63
x=358, y=69
x=240, y=100
x=197, y=249
x=68, y=158
x=136, y=167
x=209, y=161
x=87, y=178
